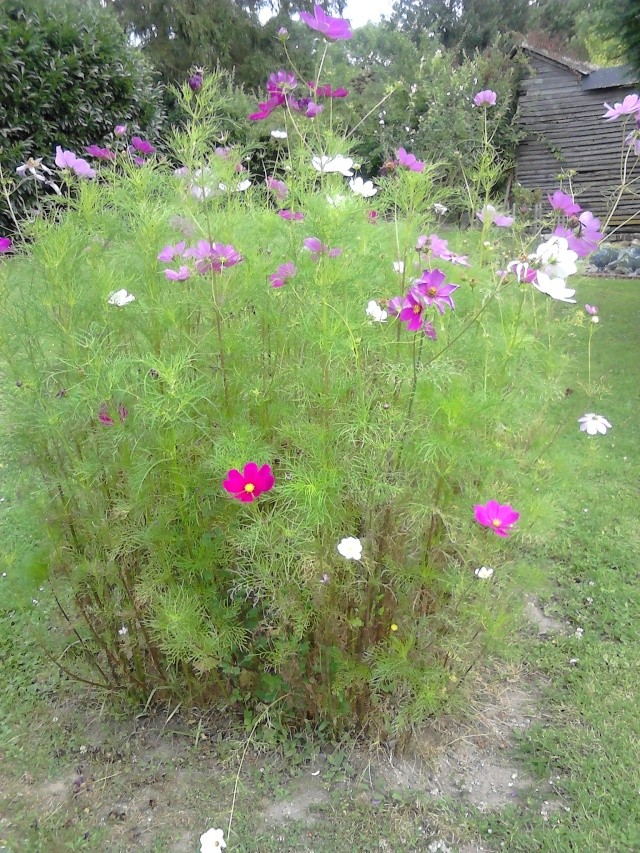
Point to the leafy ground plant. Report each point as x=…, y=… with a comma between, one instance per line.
x=279, y=433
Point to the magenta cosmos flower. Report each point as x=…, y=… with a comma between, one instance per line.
x=249, y=485
x=317, y=248
x=181, y=274
x=5, y=245
x=485, y=98
x=629, y=106
x=105, y=418
x=169, y=252
x=431, y=286
x=213, y=256
x=409, y=160
x=280, y=276
x=142, y=145
x=333, y=29
x=564, y=203
x=412, y=313
x=281, y=82
x=498, y=517
x=100, y=153
x=291, y=215
x=326, y=91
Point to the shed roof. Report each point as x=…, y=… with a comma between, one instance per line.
x=592, y=77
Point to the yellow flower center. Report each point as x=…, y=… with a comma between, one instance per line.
x=394, y=627
x=496, y=522
x=249, y=487
x=432, y=291
x=417, y=309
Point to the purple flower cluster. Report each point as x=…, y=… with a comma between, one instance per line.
x=281, y=90
x=581, y=229
x=430, y=290
x=207, y=256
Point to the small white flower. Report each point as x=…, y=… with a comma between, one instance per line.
x=398, y=266
x=364, y=188
x=336, y=200
x=212, y=841
x=376, y=312
x=483, y=573
x=340, y=164
x=440, y=209
x=594, y=424
x=556, y=288
x=243, y=185
x=555, y=258
x=279, y=134
x=579, y=633
x=123, y=631
x=121, y=297
x=351, y=548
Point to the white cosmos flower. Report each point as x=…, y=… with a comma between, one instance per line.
x=594, y=424
x=340, y=164
x=364, y=188
x=121, y=297
x=336, y=200
x=376, y=312
x=351, y=548
x=556, y=288
x=279, y=134
x=212, y=841
x=555, y=258
x=398, y=266
x=440, y=209
x=123, y=631
x=484, y=573
x=243, y=185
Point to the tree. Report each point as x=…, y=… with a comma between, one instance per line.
x=620, y=24
x=465, y=25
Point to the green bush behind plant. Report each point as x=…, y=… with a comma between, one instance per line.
x=67, y=77
x=166, y=585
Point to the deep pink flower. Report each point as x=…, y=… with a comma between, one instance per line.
x=326, y=91
x=249, y=485
x=213, y=256
x=100, y=153
x=434, y=291
x=280, y=189
x=372, y=216
x=564, y=203
x=142, y=145
x=169, y=252
x=485, y=98
x=266, y=108
x=291, y=215
x=522, y=271
x=497, y=516
x=438, y=248
x=591, y=309
x=629, y=106
x=333, y=29
x=181, y=274
x=105, y=418
x=6, y=244
x=412, y=311
x=409, y=160
x=280, y=276
x=195, y=82
x=317, y=248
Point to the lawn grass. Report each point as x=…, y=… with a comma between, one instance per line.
x=584, y=747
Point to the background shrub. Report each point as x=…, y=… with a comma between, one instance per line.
x=67, y=77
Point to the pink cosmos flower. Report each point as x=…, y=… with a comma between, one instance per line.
x=249, y=485
x=327, y=92
x=412, y=311
x=181, y=274
x=105, y=418
x=100, y=153
x=280, y=276
x=213, y=256
x=434, y=291
x=522, y=271
x=333, y=29
x=395, y=306
x=498, y=517
x=564, y=203
x=169, y=252
x=372, y=216
x=280, y=189
x=291, y=215
x=409, y=160
x=439, y=248
x=5, y=245
x=591, y=309
x=485, y=98
x=68, y=160
x=195, y=82
x=281, y=82
x=120, y=129
x=317, y=248
x=265, y=108
x=142, y=145
x=495, y=218
x=629, y=106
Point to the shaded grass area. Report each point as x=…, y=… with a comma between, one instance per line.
x=76, y=776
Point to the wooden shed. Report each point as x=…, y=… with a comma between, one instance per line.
x=561, y=108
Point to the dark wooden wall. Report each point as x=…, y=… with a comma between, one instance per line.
x=565, y=130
